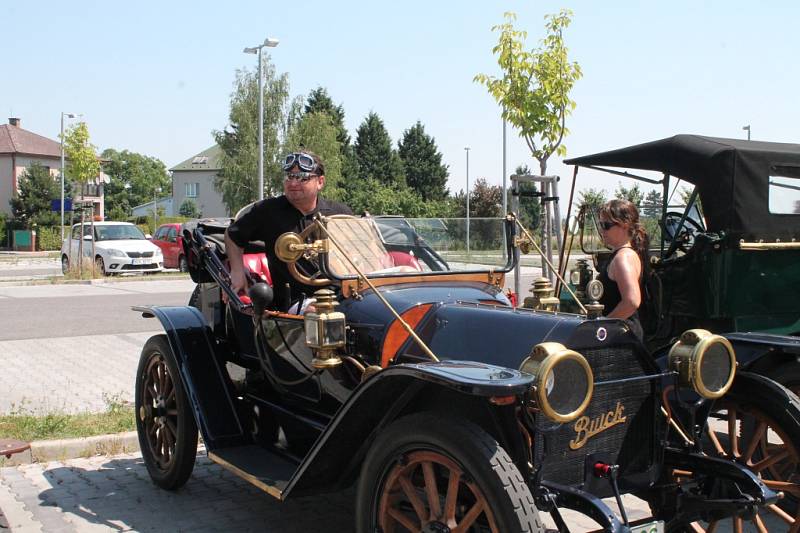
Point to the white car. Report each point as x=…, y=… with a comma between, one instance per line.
x=118, y=247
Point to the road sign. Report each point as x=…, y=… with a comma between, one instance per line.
x=55, y=205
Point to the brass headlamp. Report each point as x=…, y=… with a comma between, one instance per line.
x=325, y=330
x=704, y=362
x=563, y=381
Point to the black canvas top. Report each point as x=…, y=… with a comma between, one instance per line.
x=732, y=177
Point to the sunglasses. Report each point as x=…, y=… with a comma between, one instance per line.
x=302, y=160
x=606, y=225
x=303, y=177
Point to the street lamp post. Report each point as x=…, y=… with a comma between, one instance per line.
x=269, y=42
x=155, y=209
x=748, y=131
x=466, y=149
x=68, y=115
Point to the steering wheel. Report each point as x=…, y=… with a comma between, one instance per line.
x=685, y=239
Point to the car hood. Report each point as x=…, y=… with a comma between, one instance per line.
x=128, y=245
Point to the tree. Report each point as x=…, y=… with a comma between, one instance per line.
x=530, y=206
x=31, y=206
x=535, y=86
x=422, y=163
x=134, y=178
x=653, y=202
x=82, y=163
x=592, y=198
x=373, y=148
x=189, y=209
x=388, y=199
x=237, y=179
x=319, y=102
x=485, y=200
x=317, y=132
x=633, y=194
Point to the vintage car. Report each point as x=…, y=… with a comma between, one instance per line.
x=729, y=261
x=413, y=379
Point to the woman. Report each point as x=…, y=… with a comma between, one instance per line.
x=623, y=274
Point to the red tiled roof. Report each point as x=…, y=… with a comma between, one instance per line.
x=16, y=140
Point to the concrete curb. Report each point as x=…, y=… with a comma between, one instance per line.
x=60, y=450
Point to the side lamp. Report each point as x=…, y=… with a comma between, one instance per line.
x=325, y=330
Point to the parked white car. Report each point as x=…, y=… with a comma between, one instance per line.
x=118, y=247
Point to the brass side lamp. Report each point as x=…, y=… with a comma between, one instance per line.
x=325, y=330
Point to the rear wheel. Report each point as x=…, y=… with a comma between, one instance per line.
x=430, y=473
x=64, y=264
x=164, y=421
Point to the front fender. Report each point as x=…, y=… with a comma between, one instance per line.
x=399, y=390
x=206, y=382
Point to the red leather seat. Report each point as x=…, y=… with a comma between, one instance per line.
x=405, y=259
x=258, y=265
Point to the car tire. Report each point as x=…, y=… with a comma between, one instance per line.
x=183, y=264
x=437, y=449
x=168, y=442
x=787, y=375
x=64, y=264
x=100, y=265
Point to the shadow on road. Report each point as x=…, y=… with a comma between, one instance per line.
x=120, y=496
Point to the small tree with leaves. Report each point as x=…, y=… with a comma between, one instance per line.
x=653, y=202
x=189, y=209
x=31, y=206
x=83, y=165
x=534, y=88
x=633, y=194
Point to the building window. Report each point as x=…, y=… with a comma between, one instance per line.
x=191, y=190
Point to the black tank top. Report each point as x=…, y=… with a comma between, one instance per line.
x=612, y=297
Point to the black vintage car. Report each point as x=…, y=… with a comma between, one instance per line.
x=411, y=377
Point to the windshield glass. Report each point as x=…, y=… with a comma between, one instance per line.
x=395, y=245
x=117, y=233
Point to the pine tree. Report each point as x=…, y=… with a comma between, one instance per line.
x=32, y=203
x=373, y=149
x=422, y=163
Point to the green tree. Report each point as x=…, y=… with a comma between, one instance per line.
x=373, y=149
x=534, y=88
x=379, y=198
x=82, y=163
x=319, y=101
x=485, y=200
x=237, y=179
x=653, y=202
x=530, y=206
x=593, y=198
x=317, y=132
x=134, y=178
x=31, y=205
x=422, y=163
x=189, y=209
x=633, y=194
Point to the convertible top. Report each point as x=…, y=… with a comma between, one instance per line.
x=732, y=177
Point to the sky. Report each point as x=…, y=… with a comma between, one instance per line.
x=156, y=77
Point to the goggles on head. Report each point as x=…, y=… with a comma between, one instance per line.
x=300, y=176
x=302, y=160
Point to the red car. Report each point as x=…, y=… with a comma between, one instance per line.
x=168, y=238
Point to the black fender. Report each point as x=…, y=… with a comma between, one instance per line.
x=763, y=352
x=203, y=374
x=336, y=456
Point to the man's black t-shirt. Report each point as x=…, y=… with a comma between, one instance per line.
x=269, y=219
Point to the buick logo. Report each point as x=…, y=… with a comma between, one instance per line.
x=601, y=334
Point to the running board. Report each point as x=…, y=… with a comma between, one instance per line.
x=259, y=466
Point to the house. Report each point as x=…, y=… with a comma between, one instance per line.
x=165, y=208
x=21, y=148
x=193, y=179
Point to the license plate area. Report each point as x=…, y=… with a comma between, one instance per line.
x=142, y=261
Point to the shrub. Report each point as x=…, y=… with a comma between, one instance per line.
x=48, y=238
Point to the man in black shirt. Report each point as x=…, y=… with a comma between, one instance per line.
x=270, y=218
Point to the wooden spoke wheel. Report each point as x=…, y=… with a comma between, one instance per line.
x=427, y=491
x=432, y=474
x=164, y=421
x=757, y=424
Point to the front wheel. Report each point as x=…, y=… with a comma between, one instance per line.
x=64, y=264
x=164, y=421
x=427, y=472
x=100, y=266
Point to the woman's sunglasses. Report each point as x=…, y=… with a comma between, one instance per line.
x=302, y=160
x=606, y=225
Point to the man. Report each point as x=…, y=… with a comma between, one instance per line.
x=272, y=217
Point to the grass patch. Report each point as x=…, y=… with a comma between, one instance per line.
x=22, y=424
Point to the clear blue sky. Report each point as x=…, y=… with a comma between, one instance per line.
x=155, y=77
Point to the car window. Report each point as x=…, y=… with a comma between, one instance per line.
x=171, y=235
x=159, y=235
x=120, y=232
x=76, y=232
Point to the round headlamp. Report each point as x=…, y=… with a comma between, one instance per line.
x=703, y=361
x=563, y=381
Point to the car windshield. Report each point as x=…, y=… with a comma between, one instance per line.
x=118, y=233
x=402, y=246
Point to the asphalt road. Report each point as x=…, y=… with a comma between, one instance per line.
x=45, y=311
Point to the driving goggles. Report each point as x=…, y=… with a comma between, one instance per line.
x=302, y=160
x=300, y=176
